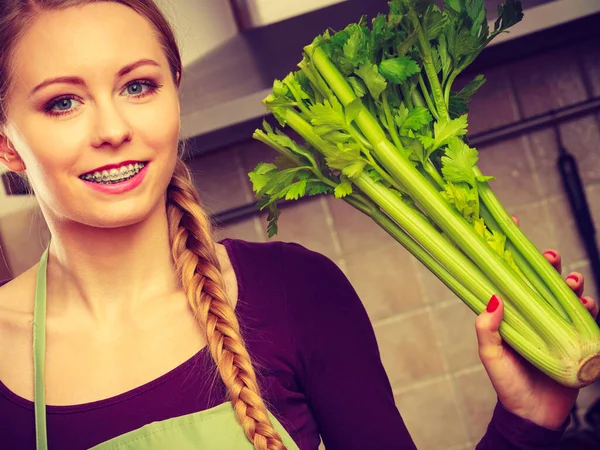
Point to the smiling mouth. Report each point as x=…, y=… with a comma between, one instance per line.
x=113, y=176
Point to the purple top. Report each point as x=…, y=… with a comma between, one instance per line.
x=317, y=361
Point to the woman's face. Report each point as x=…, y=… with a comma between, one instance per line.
x=92, y=91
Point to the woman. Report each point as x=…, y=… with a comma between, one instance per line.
x=139, y=307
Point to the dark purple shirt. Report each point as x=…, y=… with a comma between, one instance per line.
x=317, y=361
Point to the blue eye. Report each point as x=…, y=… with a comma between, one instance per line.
x=141, y=88
x=61, y=106
x=136, y=88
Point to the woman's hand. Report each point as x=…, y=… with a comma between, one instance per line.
x=523, y=389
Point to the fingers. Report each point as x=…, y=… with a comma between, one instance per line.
x=554, y=258
x=575, y=281
x=591, y=305
x=486, y=326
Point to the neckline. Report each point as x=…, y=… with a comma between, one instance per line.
x=229, y=245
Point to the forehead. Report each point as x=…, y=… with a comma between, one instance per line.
x=95, y=39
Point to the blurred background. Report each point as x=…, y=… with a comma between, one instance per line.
x=543, y=86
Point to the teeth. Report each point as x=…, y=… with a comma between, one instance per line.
x=114, y=175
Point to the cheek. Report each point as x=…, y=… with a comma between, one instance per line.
x=158, y=126
x=57, y=149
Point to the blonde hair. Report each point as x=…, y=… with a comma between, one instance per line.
x=192, y=244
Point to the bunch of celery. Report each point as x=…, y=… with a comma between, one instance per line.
x=383, y=130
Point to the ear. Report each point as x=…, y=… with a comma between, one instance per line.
x=9, y=156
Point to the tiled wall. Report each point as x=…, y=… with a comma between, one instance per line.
x=425, y=334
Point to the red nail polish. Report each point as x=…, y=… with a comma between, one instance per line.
x=551, y=253
x=583, y=300
x=493, y=304
x=574, y=278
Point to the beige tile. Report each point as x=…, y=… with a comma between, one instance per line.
x=588, y=396
x=253, y=152
x=435, y=291
x=455, y=325
x=534, y=220
x=432, y=416
x=356, y=230
x=246, y=230
x=547, y=80
x=508, y=162
x=589, y=54
x=385, y=279
x=494, y=104
x=566, y=236
x=408, y=349
x=219, y=181
x=580, y=137
x=305, y=223
x=478, y=399
x=592, y=194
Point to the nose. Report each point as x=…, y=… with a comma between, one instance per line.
x=111, y=129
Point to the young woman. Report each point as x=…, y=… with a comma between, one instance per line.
x=136, y=330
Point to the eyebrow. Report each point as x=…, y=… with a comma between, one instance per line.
x=79, y=81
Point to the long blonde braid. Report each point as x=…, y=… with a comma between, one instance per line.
x=198, y=269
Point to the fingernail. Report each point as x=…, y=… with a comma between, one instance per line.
x=551, y=253
x=574, y=278
x=493, y=304
x=583, y=300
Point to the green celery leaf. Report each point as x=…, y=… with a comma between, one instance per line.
x=373, y=174
x=327, y=116
x=373, y=79
x=484, y=178
x=272, y=219
x=444, y=131
x=280, y=181
x=509, y=14
x=280, y=89
x=456, y=5
x=336, y=137
x=463, y=199
x=261, y=174
x=343, y=189
x=358, y=86
x=457, y=106
x=480, y=227
x=437, y=61
x=354, y=170
x=296, y=190
x=317, y=187
x=397, y=70
x=355, y=48
x=405, y=45
x=497, y=241
x=476, y=12
x=417, y=119
x=458, y=162
x=353, y=109
x=402, y=114
x=473, y=86
x=433, y=23
x=414, y=150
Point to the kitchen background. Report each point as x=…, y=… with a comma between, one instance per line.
x=426, y=335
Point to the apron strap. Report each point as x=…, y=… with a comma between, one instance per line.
x=39, y=354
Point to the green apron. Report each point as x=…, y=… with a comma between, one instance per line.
x=213, y=429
